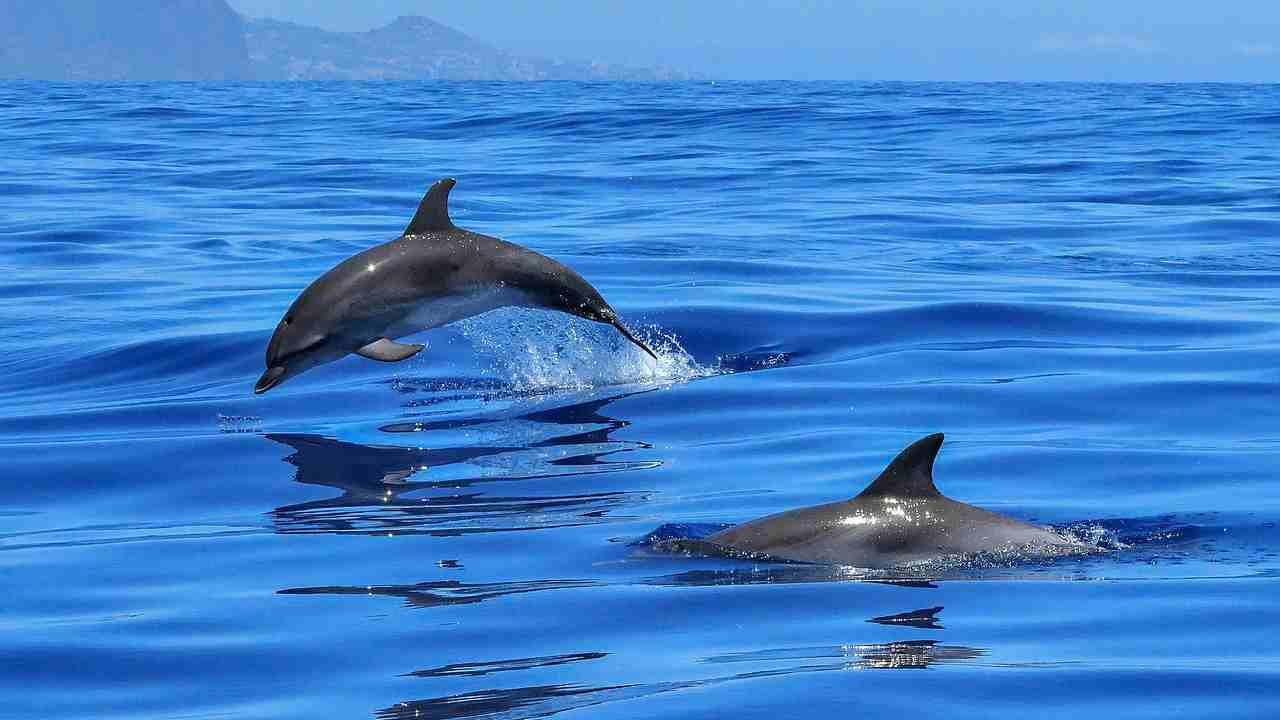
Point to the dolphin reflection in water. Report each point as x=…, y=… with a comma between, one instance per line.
x=547, y=700
x=410, y=489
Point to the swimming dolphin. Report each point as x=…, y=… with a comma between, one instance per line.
x=900, y=519
x=433, y=274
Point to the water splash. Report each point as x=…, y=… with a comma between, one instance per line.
x=1095, y=534
x=239, y=423
x=535, y=351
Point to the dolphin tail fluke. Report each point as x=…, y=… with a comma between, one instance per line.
x=627, y=334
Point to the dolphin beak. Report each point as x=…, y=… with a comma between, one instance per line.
x=269, y=379
x=627, y=334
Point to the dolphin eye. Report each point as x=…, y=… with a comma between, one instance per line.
x=288, y=320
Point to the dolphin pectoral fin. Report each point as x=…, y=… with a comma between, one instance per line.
x=385, y=350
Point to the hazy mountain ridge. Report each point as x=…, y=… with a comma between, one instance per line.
x=134, y=40
x=411, y=47
x=208, y=40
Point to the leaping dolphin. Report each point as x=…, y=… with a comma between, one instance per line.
x=899, y=519
x=433, y=274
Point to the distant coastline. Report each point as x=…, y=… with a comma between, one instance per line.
x=410, y=48
x=207, y=40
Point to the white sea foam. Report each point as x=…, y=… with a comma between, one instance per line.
x=535, y=351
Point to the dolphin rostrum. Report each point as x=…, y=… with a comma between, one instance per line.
x=900, y=519
x=433, y=274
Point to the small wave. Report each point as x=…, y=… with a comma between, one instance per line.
x=157, y=112
x=1093, y=534
x=1144, y=533
x=763, y=358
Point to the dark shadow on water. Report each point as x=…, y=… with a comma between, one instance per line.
x=393, y=488
x=905, y=654
x=924, y=619
x=587, y=412
x=525, y=702
x=549, y=700
x=778, y=575
x=478, y=669
x=367, y=473
x=443, y=592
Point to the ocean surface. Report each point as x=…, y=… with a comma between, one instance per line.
x=1078, y=284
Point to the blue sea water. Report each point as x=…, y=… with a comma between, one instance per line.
x=1078, y=284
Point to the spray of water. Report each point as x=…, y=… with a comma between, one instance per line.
x=538, y=352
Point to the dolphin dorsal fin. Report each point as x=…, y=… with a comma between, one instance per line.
x=911, y=473
x=433, y=211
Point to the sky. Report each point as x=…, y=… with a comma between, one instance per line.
x=1089, y=40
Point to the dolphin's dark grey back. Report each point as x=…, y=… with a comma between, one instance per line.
x=900, y=519
x=911, y=472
